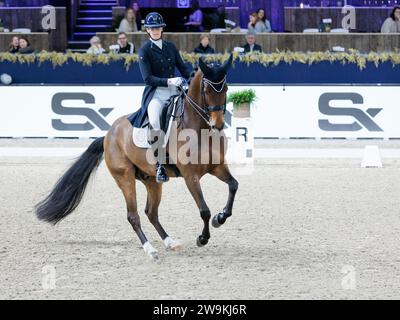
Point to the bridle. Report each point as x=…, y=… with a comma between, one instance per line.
x=204, y=113
x=213, y=85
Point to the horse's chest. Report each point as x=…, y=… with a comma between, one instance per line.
x=192, y=147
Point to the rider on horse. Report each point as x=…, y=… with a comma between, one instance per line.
x=158, y=60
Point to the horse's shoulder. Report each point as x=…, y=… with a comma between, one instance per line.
x=121, y=121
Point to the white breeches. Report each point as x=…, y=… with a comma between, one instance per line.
x=157, y=103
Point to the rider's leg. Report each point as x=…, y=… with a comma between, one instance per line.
x=154, y=110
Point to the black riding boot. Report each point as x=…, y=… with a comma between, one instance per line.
x=161, y=173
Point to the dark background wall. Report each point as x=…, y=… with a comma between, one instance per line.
x=274, y=8
x=24, y=3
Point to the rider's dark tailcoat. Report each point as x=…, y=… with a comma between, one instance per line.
x=156, y=66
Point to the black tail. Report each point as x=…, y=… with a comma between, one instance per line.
x=69, y=190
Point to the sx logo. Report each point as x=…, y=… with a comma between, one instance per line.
x=96, y=118
x=363, y=118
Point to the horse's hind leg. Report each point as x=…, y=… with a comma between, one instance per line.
x=154, y=192
x=123, y=172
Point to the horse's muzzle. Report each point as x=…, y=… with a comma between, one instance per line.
x=213, y=127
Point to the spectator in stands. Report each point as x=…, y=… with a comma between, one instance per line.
x=25, y=46
x=255, y=24
x=95, y=46
x=204, y=46
x=138, y=16
x=14, y=45
x=263, y=19
x=251, y=45
x=123, y=45
x=392, y=24
x=195, y=22
x=128, y=24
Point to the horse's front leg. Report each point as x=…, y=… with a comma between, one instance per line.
x=222, y=172
x=193, y=184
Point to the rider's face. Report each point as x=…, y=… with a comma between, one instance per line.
x=155, y=33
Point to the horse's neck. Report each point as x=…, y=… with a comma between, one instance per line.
x=193, y=119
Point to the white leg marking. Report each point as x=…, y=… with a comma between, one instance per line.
x=148, y=248
x=171, y=244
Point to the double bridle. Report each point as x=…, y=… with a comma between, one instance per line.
x=205, y=113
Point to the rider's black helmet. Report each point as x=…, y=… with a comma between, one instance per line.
x=154, y=20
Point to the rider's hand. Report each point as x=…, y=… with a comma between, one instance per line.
x=175, y=81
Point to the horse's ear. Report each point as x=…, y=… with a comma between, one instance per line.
x=204, y=67
x=228, y=63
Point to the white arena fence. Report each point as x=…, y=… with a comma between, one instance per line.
x=279, y=111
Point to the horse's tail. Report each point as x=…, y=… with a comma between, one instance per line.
x=69, y=190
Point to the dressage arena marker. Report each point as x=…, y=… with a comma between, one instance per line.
x=372, y=157
x=241, y=148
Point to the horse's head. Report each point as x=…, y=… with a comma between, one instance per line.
x=214, y=89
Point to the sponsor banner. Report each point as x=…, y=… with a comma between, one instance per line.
x=279, y=112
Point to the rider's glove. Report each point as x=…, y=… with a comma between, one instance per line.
x=175, y=81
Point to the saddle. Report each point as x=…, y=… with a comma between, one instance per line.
x=169, y=114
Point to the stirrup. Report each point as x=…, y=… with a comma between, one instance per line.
x=161, y=174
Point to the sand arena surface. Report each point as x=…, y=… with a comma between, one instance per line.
x=297, y=224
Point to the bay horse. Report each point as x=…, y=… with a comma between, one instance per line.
x=203, y=109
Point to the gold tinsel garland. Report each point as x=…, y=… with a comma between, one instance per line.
x=266, y=59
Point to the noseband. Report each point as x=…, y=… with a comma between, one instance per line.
x=213, y=85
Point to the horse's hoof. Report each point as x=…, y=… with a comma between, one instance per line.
x=153, y=255
x=215, y=221
x=176, y=246
x=201, y=241
x=171, y=244
x=151, y=252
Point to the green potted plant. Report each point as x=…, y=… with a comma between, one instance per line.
x=241, y=102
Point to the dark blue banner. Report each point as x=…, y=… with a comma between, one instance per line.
x=75, y=73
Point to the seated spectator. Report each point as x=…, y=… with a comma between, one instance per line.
x=14, y=45
x=123, y=45
x=255, y=24
x=263, y=19
x=204, y=46
x=251, y=45
x=128, y=24
x=195, y=19
x=95, y=46
x=25, y=46
x=392, y=24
